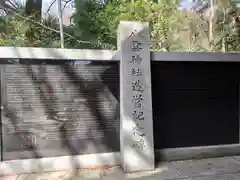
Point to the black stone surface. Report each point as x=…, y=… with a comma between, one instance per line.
x=53, y=110
x=195, y=103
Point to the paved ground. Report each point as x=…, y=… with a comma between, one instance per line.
x=227, y=168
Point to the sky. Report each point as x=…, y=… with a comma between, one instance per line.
x=187, y=3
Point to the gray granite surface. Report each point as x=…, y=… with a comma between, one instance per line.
x=225, y=168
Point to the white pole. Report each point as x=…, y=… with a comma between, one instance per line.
x=211, y=20
x=60, y=23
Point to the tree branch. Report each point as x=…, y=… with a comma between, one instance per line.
x=66, y=2
x=46, y=27
x=4, y=6
x=49, y=8
x=13, y=4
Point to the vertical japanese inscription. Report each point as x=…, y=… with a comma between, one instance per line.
x=135, y=91
x=137, y=94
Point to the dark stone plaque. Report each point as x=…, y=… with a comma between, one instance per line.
x=195, y=103
x=53, y=110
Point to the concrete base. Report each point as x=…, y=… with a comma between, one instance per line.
x=64, y=163
x=174, y=154
x=202, y=169
x=101, y=160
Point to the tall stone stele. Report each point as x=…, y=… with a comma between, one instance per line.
x=136, y=123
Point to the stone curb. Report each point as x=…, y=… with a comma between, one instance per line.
x=90, y=175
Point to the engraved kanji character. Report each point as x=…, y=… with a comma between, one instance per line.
x=28, y=140
x=138, y=130
x=136, y=46
x=136, y=86
x=136, y=72
x=134, y=32
x=137, y=100
x=136, y=59
x=138, y=115
x=139, y=144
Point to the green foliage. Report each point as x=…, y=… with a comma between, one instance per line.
x=15, y=34
x=99, y=23
x=96, y=25
x=227, y=29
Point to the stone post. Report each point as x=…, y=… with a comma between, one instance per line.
x=136, y=123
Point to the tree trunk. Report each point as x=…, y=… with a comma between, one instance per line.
x=34, y=8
